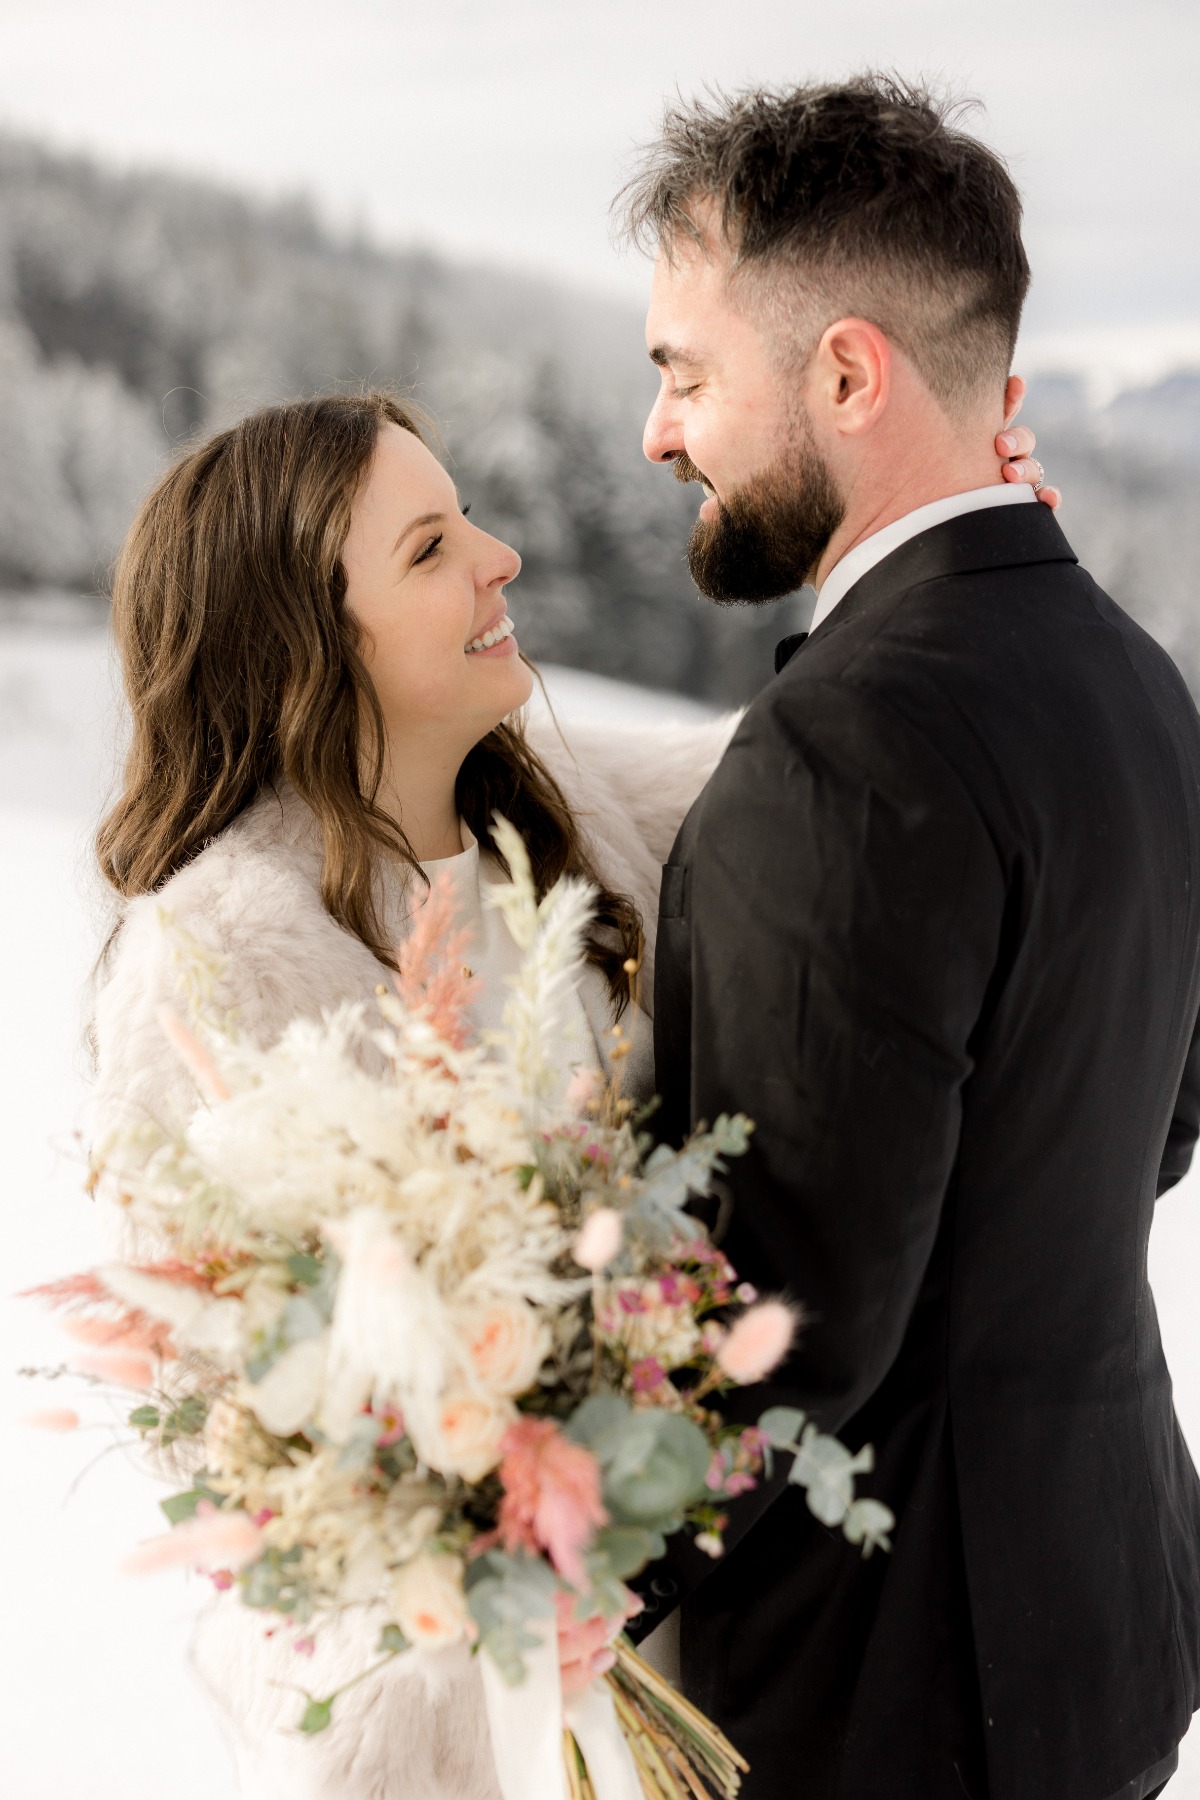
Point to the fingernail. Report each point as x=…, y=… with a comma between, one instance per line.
x=1019, y=469
x=1008, y=440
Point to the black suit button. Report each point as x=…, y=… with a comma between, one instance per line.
x=664, y=1587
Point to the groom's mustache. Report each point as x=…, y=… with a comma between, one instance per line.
x=684, y=469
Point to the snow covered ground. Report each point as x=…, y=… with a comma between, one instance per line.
x=96, y=1702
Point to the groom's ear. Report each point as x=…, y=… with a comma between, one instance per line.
x=851, y=376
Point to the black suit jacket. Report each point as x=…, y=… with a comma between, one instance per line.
x=935, y=925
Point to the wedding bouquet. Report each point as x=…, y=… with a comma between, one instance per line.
x=430, y=1328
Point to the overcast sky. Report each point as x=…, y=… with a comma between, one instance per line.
x=499, y=130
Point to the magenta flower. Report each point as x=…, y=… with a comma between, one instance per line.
x=647, y=1374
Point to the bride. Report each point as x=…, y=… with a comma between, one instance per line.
x=327, y=704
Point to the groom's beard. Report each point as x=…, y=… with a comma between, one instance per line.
x=768, y=536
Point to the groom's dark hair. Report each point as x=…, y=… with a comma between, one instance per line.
x=857, y=199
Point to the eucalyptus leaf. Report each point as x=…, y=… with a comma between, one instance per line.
x=179, y=1507
x=654, y=1464
x=503, y=1594
x=317, y=1715
x=783, y=1425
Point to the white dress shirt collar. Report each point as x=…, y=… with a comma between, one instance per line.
x=854, y=565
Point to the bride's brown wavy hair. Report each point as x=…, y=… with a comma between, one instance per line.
x=243, y=667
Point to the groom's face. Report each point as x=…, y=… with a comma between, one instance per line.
x=731, y=415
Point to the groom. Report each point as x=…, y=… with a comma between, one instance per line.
x=935, y=925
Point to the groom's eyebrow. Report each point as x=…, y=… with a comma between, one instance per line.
x=671, y=356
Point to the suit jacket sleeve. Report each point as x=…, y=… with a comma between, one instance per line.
x=845, y=903
x=1185, y=1125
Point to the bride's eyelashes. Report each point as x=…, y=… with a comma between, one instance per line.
x=435, y=543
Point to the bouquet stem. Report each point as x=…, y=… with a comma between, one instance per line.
x=680, y=1754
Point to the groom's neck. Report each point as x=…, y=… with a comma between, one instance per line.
x=916, y=455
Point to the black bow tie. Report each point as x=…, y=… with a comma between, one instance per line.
x=786, y=648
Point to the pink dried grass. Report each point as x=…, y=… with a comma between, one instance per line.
x=195, y=1058
x=758, y=1341
x=124, y=1368
x=212, y=1540
x=53, y=1418
x=551, y=1496
x=432, y=978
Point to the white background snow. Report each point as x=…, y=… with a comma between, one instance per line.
x=95, y=1698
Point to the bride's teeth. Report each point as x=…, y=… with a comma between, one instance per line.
x=498, y=632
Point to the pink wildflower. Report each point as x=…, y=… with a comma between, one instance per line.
x=677, y=1289
x=222, y=1580
x=262, y=1515
x=757, y=1342
x=599, y=1239
x=551, y=1495
x=304, y=1646
x=582, y=1088
x=195, y=1058
x=215, y=1538
x=647, y=1374
x=53, y=1418
x=391, y=1427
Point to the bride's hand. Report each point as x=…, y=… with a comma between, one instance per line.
x=1015, y=446
x=586, y=1650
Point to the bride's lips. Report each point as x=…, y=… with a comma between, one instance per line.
x=504, y=646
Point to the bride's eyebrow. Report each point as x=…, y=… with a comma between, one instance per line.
x=433, y=518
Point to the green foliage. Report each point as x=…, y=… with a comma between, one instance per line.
x=653, y=1463
x=503, y=1592
x=391, y=1641
x=317, y=1715
x=276, y=1583
x=185, y=1420
x=144, y=1419
x=672, y=1176
x=179, y=1507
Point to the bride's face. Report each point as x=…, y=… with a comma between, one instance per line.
x=427, y=587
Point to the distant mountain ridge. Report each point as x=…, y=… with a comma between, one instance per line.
x=136, y=309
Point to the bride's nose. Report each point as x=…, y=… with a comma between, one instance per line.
x=499, y=565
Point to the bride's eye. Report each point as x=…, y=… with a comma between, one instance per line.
x=430, y=549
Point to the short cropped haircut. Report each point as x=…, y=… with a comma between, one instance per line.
x=861, y=199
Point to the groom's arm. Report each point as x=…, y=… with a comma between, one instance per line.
x=1185, y=1124
x=845, y=908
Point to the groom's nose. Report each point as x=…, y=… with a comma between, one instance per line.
x=662, y=439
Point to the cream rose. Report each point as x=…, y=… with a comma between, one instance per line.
x=462, y=1436
x=507, y=1343
x=428, y=1602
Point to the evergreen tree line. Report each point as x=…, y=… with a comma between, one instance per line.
x=139, y=309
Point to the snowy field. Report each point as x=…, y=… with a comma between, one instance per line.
x=97, y=1704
